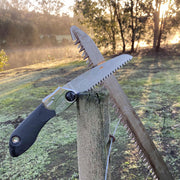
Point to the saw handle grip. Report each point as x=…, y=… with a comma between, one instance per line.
x=26, y=133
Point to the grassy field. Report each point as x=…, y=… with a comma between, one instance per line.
x=152, y=84
x=19, y=57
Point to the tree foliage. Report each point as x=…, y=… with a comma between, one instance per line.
x=164, y=19
x=130, y=21
x=115, y=23
x=138, y=13
x=49, y=6
x=20, y=27
x=94, y=16
x=3, y=59
x=115, y=19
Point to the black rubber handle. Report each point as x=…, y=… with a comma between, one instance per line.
x=26, y=133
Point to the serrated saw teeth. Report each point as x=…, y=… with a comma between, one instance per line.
x=131, y=135
x=90, y=65
x=86, y=43
x=135, y=143
x=83, y=54
x=87, y=61
x=81, y=49
x=137, y=146
x=140, y=151
x=77, y=42
x=79, y=45
x=86, y=56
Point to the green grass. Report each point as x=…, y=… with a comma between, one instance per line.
x=21, y=92
x=152, y=85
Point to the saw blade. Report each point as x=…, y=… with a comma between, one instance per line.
x=96, y=75
x=87, y=46
x=84, y=82
x=149, y=154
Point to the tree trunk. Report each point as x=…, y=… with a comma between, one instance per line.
x=122, y=34
x=162, y=27
x=113, y=40
x=118, y=16
x=159, y=40
x=156, y=24
x=132, y=27
x=156, y=29
x=113, y=30
x=132, y=41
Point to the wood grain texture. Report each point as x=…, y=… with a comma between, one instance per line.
x=92, y=135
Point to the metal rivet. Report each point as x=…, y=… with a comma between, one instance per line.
x=15, y=139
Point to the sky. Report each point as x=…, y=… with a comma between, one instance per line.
x=67, y=4
x=65, y=9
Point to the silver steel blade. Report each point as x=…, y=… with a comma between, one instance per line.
x=93, y=77
x=86, y=81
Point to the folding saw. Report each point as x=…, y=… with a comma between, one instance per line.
x=55, y=103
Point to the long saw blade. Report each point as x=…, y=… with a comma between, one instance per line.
x=87, y=45
x=146, y=148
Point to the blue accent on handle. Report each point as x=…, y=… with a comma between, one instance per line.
x=27, y=132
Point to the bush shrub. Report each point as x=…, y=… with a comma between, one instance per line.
x=3, y=59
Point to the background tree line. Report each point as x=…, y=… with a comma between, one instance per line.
x=20, y=27
x=129, y=21
x=115, y=23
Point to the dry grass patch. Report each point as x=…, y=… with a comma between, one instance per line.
x=27, y=56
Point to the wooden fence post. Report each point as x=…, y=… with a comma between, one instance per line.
x=92, y=135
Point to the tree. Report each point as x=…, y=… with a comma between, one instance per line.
x=93, y=15
x=165, y=17
x=132, y=20
x=113, y=17
x=50, y=6
x=121, y=19
x=156, y=22
x=16, y=28
x=23, y=28
x=4, y=4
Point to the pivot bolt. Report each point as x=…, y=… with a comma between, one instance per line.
x=70, y=96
